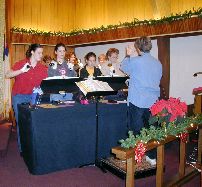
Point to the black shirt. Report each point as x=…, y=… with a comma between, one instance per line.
x=84, y=73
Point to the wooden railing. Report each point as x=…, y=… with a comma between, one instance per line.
x=185, y=172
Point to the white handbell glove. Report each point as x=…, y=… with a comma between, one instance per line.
x=70, y=66
x=53, y=64
x=80, y=64
x=99, y=66
x=25, y=68
x=111, y=71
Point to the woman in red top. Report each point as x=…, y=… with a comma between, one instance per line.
x=28, y=73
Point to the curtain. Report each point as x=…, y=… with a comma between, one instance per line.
x=5, y=97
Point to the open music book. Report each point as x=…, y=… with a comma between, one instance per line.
x=93, y=86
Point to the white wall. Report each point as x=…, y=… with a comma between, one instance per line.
x=98, y=49
x=185, y=60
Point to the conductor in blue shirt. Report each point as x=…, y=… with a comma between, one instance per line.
x=145, y=73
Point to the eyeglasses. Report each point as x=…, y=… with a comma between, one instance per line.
x=114, y=57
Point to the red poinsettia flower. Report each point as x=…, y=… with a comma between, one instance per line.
x=169, y=109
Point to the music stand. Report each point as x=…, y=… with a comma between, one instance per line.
x=97, y=94
x=55, y=86
x=116, y=83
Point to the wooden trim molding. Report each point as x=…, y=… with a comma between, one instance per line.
x=164, y=57
x=190, y=25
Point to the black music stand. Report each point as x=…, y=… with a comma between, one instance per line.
x=55, y=86
x=116, y=83
x=97, y=94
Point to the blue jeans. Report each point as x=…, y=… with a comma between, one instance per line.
x=19, y=99
x=139, y=118
x=61, y=97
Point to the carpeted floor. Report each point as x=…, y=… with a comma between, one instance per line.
x=14, y=173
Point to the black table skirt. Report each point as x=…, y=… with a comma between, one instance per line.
x=61, y=138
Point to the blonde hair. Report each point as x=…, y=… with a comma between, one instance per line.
x=102, y=56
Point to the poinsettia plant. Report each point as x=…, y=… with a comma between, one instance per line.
x=168, y=118
x=166, y=111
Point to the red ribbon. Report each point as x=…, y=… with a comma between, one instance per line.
x=183, y=137
x=139, y=150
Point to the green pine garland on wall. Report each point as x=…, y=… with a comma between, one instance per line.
x=186, y=15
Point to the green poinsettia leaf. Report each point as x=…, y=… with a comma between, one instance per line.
x=153, y=119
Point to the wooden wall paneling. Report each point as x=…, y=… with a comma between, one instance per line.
x=164, y=57
x=62, y=12
x=45, y=15
x=12, y=55
x=55, y=15
x=48, y=50
x=68, y=19
x=53, y=22
x=19, y=5
x=198, y=3
x=27, y=14
x=19, y=52
x=70, y=49
x=35, y=14
x=15, y=19
x=44, y=19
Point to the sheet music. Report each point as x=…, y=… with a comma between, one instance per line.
x=93, y=86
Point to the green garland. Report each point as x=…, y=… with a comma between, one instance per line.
x=134, y=23
x=160, y=133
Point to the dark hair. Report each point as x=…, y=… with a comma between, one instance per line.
x=60, y=45
x=110, y=51
x=32, y=47
x=144, y=44
x=90, y=54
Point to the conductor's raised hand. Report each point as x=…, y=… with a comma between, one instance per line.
x=130, y=50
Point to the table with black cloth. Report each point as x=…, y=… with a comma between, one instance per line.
x=59, y=138
x=112, y=126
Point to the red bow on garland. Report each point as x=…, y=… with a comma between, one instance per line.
x=183, y=137
x=139, y=150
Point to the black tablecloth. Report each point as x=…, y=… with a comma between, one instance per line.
x=112, y=126
x=60, y=138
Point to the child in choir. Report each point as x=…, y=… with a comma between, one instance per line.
x=101, y=61
x=72, y=59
